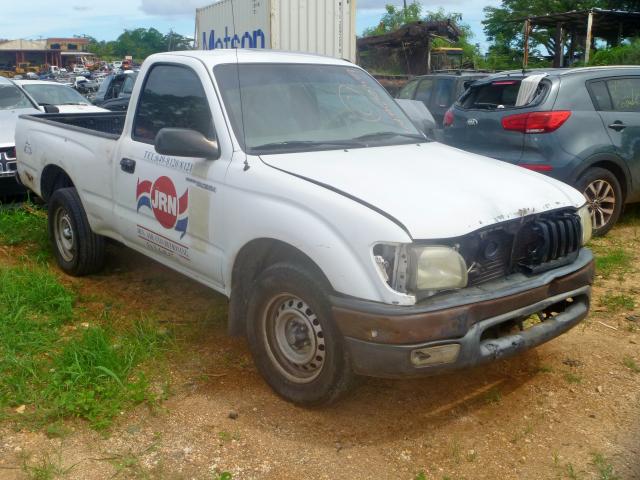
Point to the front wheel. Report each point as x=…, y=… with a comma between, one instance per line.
x=77, y=249
x=603, y=193
x=295, y=343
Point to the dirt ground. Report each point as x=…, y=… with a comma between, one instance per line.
x=547, y=414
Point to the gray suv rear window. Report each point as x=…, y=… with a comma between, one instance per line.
x=497, y=94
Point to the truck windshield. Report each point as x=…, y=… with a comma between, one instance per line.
x=12, y=97
x=295, y=107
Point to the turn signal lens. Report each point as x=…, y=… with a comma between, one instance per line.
x=585, y=221
x=536, y=122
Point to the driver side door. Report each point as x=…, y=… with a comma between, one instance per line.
x=167, y=206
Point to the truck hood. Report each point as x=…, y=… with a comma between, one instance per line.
x=433, y=190
x=8, y=119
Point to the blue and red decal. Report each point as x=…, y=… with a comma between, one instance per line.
x=161, y=198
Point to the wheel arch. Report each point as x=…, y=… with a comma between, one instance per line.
x=252, y=259
x=612, y=164
x=53, y=178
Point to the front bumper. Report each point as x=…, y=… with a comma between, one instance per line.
x=395, y=341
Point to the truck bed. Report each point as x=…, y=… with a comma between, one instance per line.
x=107, y=124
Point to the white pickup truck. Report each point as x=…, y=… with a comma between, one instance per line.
x=345, y=240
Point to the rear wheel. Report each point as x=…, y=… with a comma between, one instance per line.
x=603, y=193
x=293, y=338
x=77, y=249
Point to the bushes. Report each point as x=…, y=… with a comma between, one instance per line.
x=628, y=54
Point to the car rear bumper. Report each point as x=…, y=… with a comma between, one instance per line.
x=9, y=186
x=395, y=341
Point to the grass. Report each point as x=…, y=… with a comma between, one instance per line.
x=612, y=260
x=45, y=467
x=615, y=302
x=493, y=396
x=25, y=224
x=572, y=378
x=631, y=364
x=604, y=467
x=58, y=369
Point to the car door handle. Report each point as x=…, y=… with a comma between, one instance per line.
x=617, y=126
x=127, y=165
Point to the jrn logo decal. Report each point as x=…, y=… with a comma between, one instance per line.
x=161, y=197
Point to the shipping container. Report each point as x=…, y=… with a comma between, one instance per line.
x=326, y=27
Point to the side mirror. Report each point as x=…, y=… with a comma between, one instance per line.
x=182, y=142
x=50, y=108
x=419, y=115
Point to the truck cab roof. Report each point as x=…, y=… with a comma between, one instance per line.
x=221, y=56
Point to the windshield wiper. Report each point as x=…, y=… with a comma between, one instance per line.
x=308, y=144
x=374, y=136
x=73, y=103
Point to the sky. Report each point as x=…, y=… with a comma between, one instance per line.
x=105, y=20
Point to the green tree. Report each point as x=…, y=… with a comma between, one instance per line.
x=139, y=43
x=394, y=18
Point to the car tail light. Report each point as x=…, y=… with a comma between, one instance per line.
x=537, y=167
x=536, y=122
x=448, y=118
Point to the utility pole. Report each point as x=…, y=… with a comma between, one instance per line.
x=404, y=12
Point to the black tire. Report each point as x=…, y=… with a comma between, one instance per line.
x=604, y=214
x=330, y=373
x=77, y=249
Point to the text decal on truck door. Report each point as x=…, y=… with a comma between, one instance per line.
x=161, y=197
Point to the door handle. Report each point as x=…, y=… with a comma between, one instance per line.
x=127, y=165
x=618, y=126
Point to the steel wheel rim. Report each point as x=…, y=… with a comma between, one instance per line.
x=63, y=234
x=294, y=338
x=601, y=198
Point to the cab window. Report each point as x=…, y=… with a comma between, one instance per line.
x=172, y=96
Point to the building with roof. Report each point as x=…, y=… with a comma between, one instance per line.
x=61, y=52
x=580, y=28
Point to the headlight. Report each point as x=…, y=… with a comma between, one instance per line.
x=435, y=268
x=585, y=221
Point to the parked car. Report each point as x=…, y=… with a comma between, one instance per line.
x=121, y=102
x=295, y=185
x=111, y=87
x=65, y=98
x=581, y=126
x=13, y=103
x=83, y=85
x=438, y=91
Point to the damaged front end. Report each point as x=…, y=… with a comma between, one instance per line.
x=498, y=291
x=531, y=245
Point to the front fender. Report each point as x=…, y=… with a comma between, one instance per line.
x=335, y=232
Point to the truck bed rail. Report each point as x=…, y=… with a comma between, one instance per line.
x=107, y=124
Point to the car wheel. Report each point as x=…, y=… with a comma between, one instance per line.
x=295, y=343
x=603, y=193
x=77, y=249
